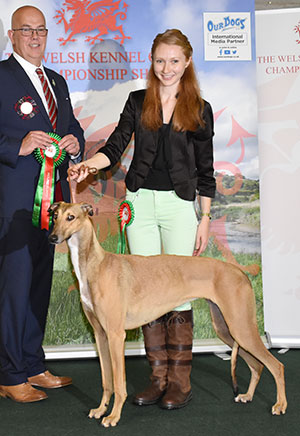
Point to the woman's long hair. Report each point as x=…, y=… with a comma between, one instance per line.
x=189, y=106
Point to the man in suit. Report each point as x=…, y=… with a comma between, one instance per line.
x=26, y=257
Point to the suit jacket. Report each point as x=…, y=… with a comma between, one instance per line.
x=192, y=152
x=19, y=174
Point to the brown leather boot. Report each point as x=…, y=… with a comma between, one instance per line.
x=179, y=346
x=156, y=353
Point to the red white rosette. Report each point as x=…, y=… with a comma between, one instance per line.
x=49, y=158
x=125, y=217
x=26, y=107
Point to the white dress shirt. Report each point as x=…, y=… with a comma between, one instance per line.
x=31, y=73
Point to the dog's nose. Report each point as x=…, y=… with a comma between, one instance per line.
x=53, y=239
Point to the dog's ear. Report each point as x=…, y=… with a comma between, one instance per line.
x=87, y=208
x=54, y=207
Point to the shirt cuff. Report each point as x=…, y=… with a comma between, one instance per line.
x=76, y=156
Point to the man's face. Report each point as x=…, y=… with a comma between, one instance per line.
x=30, y=47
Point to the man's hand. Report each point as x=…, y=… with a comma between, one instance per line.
x=34, y=139
x=70, y=144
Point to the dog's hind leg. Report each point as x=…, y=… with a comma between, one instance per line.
x=253, y=344
x=234, y=354
x=106, y=367
x=243, y=329
x=254, y=365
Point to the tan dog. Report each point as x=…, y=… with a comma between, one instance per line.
x=120, y=292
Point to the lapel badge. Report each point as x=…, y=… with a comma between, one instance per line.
x=26, y=107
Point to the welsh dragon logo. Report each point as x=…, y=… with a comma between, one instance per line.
x=297, y=30
x=89, y=16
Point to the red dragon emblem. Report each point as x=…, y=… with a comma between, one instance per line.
x=88, y=16
x=297, y=30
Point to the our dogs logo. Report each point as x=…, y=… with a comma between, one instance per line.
x=297, y=30
x=89, y=16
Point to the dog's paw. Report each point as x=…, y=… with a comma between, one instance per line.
x=243, y=398
x=279, y=408
x=97, y=413
x=110, y=421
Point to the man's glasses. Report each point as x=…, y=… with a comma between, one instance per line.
x=28, y=31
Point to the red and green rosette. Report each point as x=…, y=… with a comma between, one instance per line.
x=44, y=195
x=125, y=217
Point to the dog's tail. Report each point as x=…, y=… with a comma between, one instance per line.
x=234, y=354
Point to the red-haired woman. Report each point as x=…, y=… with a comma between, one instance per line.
x=171, y=165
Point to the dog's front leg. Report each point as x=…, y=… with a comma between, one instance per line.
x=116, y=347
x=106, y=368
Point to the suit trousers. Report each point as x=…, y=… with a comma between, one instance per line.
x=163, y=222
x=26, y=264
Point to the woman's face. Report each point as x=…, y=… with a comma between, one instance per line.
x=169, y=64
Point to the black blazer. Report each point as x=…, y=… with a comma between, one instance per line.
x=192, y=152
x=19, y=174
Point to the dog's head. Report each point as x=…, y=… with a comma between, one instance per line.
x=68, y=218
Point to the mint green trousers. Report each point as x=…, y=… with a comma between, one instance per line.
x=163, y=222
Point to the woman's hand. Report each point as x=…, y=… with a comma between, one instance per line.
x=202, y=236
x=80, y=171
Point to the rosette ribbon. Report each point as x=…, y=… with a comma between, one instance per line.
x=26, y=107
x=44, y=195
x=125, y=217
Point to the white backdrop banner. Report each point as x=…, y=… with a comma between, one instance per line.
x=278, y=80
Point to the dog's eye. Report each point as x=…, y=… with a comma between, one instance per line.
x=70, y=217
x=54, y=216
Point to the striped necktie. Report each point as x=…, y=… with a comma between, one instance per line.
x=49, y=98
